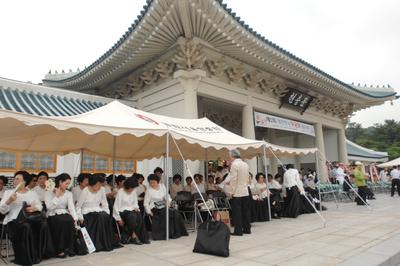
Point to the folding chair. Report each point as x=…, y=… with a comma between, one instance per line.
x=5, y=244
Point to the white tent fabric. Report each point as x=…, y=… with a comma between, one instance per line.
x=137, y=134
x=391, y=163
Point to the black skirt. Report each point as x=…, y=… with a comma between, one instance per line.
x=62, y=232
x=98, y=225
x=259, y=210
x=134, y=222
x=306, y=205
x=293, y=203
x=176, y=225
x=31, y=241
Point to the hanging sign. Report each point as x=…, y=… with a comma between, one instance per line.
x=296, y=99
x=276, y=122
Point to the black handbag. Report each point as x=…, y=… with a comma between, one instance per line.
x=159, y=205
x=213, y=239
x=79, y=244
x=30, y=217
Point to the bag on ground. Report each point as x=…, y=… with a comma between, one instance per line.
x=213, y=239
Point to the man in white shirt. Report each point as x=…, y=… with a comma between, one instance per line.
x=339, y=174
x=395, y=175
x=239, y=180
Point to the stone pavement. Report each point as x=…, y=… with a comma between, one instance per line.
x=353, y=236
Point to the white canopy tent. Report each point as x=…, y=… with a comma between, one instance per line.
x=391, y=163
x=125, y=132
x=120, y=131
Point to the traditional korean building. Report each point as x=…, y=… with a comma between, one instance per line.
x=197, y=58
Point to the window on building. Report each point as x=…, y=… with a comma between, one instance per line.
x=101, y=163
x=28, y=161
x=88, y=162
x=46, y=162
x=8, y=160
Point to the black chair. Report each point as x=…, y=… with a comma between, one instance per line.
x=221, y=201
x=185, y=204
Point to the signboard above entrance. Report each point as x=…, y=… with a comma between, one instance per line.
x=276, y=122
x=296, y=99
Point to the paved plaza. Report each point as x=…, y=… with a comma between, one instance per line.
x=353, y=236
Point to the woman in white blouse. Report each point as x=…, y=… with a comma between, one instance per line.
x=292, y=189
x=127, y=213
x=94, y=214
x=61, y=216
x=30, y=238
x=155, y=206
x=259, y=204
x=40, y=189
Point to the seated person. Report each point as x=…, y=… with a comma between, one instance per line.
x=211, y=186
x=30, y=237
x=140, y=190
x=176, y=186
x=198, y=179
x=3, y=183
x=156, y=201
x=310, y=187
x=62, y=216
x=127, y=213
x=40, y=189
x=189, y=184
x=94, y=214
x=119, y=182
x=259, y=204
x=83, y=180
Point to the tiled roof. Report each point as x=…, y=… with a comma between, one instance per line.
x=46, y=103
x=356, y=150
x=146, y=8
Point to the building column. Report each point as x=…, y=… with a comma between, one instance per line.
x=273, y=162
x=320, y=144
x=297, y=160
x=248, y=130
x=342, y=146
x=189, y=81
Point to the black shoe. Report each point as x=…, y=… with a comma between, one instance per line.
x=118, y=245
x=70, y=253
x=235, y=234
x=247, y=232
x=136, y=241
x=146, y=242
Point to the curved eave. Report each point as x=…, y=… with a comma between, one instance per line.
x=122, y=51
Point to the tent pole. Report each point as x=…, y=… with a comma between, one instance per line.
x=113, y=158
x=206, y=165
x=167, y=185
x=319, y=182
x=266, y=181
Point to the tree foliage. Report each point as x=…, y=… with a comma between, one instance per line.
x=380, y=137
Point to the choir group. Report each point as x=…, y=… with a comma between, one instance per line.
x=43, y=221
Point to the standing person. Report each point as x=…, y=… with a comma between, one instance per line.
x=239, y=180
x=292, y=188
x=339, y=174
x=31, y=239
x=83, y=181
x=395, y=175
x=62, y=216
x=361, y=183
x=383, y=175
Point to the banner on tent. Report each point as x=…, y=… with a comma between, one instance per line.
x=270, y=121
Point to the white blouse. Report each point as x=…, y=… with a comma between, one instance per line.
x=291, y=178
x=260, y=188
x=201, y=188
x=12, y=210
x=124, y=202
x=40, y=192
x=139, y=190
x=60, y=205
x=153, y=195
x=76, y=192
x=174, y=189
x=274, y=184
x=2, y=192
x=92, y=202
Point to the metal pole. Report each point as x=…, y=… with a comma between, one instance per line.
x=113, y=158
x=167, y=186
x=206, y=165
x=266, y=181
x=319, y=182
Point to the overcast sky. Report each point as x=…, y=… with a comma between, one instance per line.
x=355, y=41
